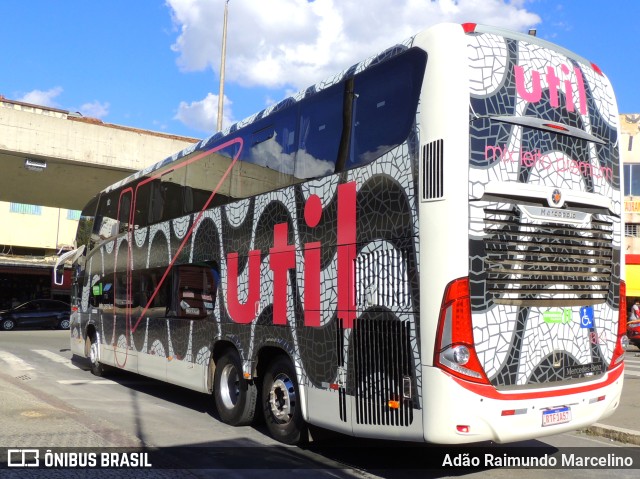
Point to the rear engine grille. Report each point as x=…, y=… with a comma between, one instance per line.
x=546, y=264
x=433, y=170
x=383, y=371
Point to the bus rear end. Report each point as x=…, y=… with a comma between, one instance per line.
x=530, y=336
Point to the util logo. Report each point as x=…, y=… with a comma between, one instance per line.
x=556, y=84
x=282, y=258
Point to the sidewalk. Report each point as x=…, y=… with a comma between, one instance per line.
x=29, y=419
x=624, y=424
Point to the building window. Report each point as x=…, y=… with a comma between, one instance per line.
x=73, y=215
x=630, y=142
x=25, y=209
x=632, y=230
x=632, y=179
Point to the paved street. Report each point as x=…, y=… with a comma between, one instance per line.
x=48, y=401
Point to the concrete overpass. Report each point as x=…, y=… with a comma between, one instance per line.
x=82, y=155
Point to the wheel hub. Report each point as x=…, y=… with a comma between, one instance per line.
x=282, y=398
x=229, y=386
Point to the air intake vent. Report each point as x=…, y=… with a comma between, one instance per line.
x=432, y=168
x=546, y=264
x=382, y=279
x=383, y=372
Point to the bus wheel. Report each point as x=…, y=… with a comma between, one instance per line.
x=97, y=368
x=281, y=402
x=235, y=397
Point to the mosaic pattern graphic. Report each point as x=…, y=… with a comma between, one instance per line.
x=518, y=337
x=386, y=213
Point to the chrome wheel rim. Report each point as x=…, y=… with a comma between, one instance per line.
x=229, y=386
x=282, y=398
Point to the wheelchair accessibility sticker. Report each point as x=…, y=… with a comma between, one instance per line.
x=586, y=317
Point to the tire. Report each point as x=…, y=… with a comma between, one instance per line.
x=234, y=396
x=64, y=323
x=281, y=403
x=93, y=350
x=8, y=324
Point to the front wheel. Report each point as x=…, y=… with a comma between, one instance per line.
x=97, y=368
x=8, y=324
x=281, y=402
x=235, y=397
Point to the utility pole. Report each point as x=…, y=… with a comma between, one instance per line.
x=222, y=60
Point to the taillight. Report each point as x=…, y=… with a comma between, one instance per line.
x=621, y=341
x=469, y=27
x=455, y=350
x=596, y=69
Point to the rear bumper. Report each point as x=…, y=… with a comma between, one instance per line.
x=514, y=416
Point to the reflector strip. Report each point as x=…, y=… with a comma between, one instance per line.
x=513, y=412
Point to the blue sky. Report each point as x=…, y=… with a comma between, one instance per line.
x=154, y=64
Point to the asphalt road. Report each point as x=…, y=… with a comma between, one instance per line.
x=50, y=401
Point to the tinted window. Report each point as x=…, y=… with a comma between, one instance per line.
x=195, y=289
x=268, y=155
x=203, y=178
x=151, y=294
x=124, y=211
x=106, y=219
x=385, y=103
x=85, y=225
x=320, y=133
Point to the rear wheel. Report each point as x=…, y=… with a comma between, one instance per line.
x=8, y=324
x=281, y=402
x=235, y=397
x=93, y=346
x=63, y=323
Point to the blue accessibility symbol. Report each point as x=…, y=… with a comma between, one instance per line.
x=586, y=317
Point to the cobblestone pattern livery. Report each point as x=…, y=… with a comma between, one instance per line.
x=514, y=344
x=387, y=218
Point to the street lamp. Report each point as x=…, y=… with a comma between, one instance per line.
x=222, y=60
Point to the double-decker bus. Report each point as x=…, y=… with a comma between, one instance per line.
x=425, y=247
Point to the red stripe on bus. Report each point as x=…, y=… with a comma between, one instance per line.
x=491, y=392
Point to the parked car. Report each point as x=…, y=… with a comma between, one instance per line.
x=633, y=332
x=36, y=313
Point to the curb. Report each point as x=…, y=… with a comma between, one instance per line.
x=620, y=434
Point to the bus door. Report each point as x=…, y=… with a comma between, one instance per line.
x=124, y=349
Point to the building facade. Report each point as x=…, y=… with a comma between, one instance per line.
x=60, y=159
x=29, y=244
x=630, y=152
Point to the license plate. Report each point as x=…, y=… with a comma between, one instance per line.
x=558, y=415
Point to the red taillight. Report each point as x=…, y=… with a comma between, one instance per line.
x=469, y=27
x=74, y=309
x=597, y=69
x=455, y=349
x=618, y=351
